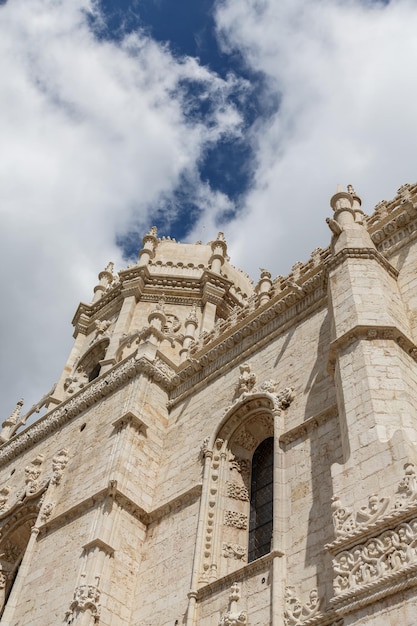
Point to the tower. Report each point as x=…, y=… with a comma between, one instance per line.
x=218, y=452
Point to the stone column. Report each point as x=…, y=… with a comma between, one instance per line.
x=105, y=279
x=264, y=287
x=150, y=242
x=191, y=324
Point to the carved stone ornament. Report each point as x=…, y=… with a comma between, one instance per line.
x=234, y=617
x=295, y=612
x=32, y=473
x=59, y=462
x=375, y=551
x=235, y=519
x=346, y=522
x=46, y=511
x=86, y=598
x=234, y=551
x=34, y=487
x=376, y=559
x=237, y=492
x=247, y=380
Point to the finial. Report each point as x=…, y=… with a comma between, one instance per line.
x=153, y=231
x=15, y=413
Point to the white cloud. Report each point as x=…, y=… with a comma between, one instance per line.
x=92, y=133
x=344, y=74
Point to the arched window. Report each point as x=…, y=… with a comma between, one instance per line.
x=12, y=550
x=261, y=500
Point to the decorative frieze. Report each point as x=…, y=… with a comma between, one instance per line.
x=377, y=559
x=375, y=550
x=67, y=410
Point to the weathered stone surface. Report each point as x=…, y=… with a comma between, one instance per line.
x=129, y=501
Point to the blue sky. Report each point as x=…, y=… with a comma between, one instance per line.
x=196, y=116
x=189, y=29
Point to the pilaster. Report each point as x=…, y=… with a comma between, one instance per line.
x=375, y=375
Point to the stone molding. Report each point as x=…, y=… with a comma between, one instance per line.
x=239, y=342
x=312, y=423
x=370, y=333
x=360, y=253
x=382, y=560
x=144, y=516
x=263, y=564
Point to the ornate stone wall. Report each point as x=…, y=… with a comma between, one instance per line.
x=128, y=501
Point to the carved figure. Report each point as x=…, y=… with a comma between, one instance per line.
x=247, y=380
x=233, y=551
x=59, y=463
x=4, y=496
x=295, y=612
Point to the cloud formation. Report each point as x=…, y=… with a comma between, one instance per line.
x=94, y=135
x=97, y=135
x=343, y=73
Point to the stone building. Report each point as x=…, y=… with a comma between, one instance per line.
x=220, y=453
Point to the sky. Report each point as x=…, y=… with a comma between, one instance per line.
x=193, y=115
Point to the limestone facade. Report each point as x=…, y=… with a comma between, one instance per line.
x=132, y=500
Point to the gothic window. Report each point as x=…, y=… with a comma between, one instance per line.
x=261, y=500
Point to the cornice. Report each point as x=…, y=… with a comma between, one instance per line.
x=124, y=502
x=245, y=572
x=360, y=253
x=252, y=329
x=302, y=430
x=370, y=333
